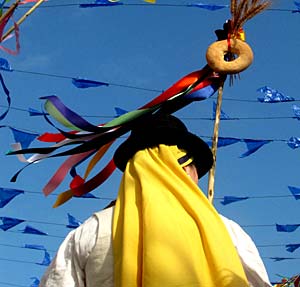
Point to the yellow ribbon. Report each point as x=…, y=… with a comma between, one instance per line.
x=241, y=35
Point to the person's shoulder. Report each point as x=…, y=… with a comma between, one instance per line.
x=89, y=226
x=91, y=222
x=104, y=214
x=230, y=223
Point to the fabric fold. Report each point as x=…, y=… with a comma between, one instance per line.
x=165, y=231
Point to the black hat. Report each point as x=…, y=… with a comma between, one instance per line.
x=168, y=130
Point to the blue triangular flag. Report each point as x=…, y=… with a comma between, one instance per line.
x=35, y=283
x=33, y=112
x=296, y=111
x=47, y=259
x=272, y=96
x=223, y=115
x=7, y=194
x=211, y=7
x=297, y=7
x=31, y=230
x=292, y=247
x=286, y=227
x=224, y=141
x=120, y=111
x=83, y=84
x=24, y=138
x=4, y=65
x=294, y=142
x=227, y=141
x=34, y=246
x=295, y=191
x=8, y=222
x=88, y=195
x=99, y=3
x=203, y=93
x=253, y=146
x=276, y=259
x=231, y=199
x=8, y=99
x=73, y=222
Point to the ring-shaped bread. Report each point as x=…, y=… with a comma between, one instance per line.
x=216, y=52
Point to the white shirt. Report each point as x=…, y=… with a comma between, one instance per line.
x=68, y=266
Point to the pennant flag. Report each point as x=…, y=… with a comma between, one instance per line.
x=35, y=283
x=24, y=138
x=7, y=194
x=8, y=222
x=99, y=3
x=253, y=146
x=231, y=199
x=211, y=7
x=295, y=191
x=272, y=96
x=73, y=222
x=294, y=142
x=34, y=113
x=297, y=7
x=8, y=99
x=287, y=227
x=276, y=259
x=87, y=195
x=4, y=65
x=223, y=116
x=31, y=230
x=227, y=141
x=34, y=246
x=47, y=259
x=292, y=247
x=120, y=111
x=83, y=84
x=296, y=110
x=224, y=141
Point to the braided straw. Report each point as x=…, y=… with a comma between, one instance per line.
x=244, y=10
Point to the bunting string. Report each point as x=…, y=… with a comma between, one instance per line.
x=207, y=7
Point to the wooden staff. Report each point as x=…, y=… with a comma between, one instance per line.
x=241, y=11
x=23, y=18
x=12, y=7
x=211, y=179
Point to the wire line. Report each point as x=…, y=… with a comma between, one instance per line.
x=19, y=261
x=156, y=5
x=184, y=118
x=22, y=247
x=128, y=86
x=69, y=77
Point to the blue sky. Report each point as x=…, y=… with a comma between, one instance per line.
x=151, y=47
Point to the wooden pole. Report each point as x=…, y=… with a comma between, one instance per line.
x=23, y=18
x=211, y=178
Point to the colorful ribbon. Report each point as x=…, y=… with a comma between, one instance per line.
x=86, y=139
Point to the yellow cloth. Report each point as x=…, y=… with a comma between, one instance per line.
x=165, y=231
